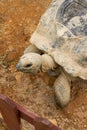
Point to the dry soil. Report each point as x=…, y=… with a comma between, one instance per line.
x=18, y=20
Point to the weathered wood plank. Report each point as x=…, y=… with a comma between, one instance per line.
x=13, y=112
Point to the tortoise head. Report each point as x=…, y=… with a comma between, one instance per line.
x=29, y=63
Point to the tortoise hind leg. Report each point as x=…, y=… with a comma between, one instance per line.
x=62, y=90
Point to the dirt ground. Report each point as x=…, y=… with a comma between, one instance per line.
x=18, y=20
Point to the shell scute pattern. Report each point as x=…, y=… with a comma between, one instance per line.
x=62, y=33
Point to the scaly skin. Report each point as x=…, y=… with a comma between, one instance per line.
x=62, y=90
x=32, y=62
x=32, y=48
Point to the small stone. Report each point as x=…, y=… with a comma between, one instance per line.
x=18, y=77
x=82, y=108
x=85, y=126
x=53, y=121
x=1, y=116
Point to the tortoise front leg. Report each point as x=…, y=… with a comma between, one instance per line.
x=32, y=48
x=62, y=90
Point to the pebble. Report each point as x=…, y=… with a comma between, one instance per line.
x=53, y=121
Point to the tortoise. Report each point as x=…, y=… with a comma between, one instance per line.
x=59, y=46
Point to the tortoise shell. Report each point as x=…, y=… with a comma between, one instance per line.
x=62, y=33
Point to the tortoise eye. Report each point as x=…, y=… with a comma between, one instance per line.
x=28, y=65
